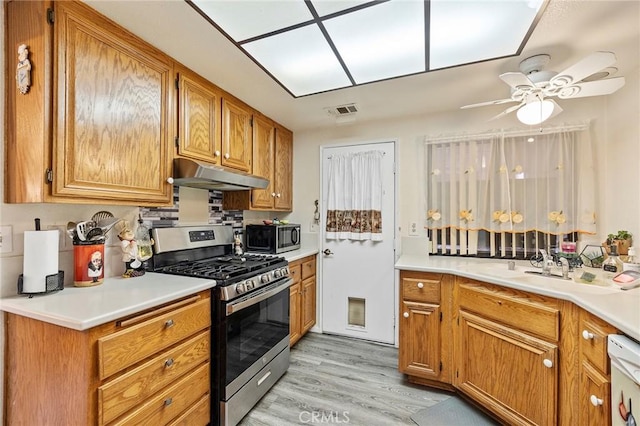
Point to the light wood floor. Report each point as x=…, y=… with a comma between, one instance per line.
x=338, y=380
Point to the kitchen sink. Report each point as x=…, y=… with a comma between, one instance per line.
x=552, y=275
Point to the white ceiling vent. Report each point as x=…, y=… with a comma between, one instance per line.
x=342, y=110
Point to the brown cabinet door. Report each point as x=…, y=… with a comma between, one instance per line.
x=308, y=304
x=236, y=135
x=595, y=397
x=419, y=349
x=263, y=157
x=283, y=171
x=199, y=116
x=511, y=373
x=112, y=112
x=295, y=326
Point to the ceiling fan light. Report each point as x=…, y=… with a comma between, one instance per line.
x=535, y=112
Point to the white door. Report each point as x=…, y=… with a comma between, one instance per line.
x=358, y=296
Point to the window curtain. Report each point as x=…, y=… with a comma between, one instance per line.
x=510, y=184
x=354, y=202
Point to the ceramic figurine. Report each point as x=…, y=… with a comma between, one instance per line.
x=237, y=245
x=23, y=72
x=129, y=247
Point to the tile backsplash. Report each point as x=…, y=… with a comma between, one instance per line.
x=158, y=217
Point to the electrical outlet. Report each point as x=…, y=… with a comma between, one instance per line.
x=413, y=229
x=6, y=239
x=313, y=227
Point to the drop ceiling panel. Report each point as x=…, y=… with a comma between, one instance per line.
x=327, y=7
x=462, y=32
x=301, y=60
x=245, y=19
x=374, y=47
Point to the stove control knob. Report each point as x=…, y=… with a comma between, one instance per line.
x=249, y=285
x=265, y=278
x=277, y=273
x=285, y=271
x=240, y=288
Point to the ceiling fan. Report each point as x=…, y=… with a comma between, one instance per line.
x=532, y=87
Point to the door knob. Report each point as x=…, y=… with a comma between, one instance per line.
x=327, y=252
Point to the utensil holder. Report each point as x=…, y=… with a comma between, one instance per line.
x=88, y=263
x=53, y=282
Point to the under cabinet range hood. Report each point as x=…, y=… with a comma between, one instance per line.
x=205, y=176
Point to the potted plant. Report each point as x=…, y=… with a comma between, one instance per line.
x=622, y=240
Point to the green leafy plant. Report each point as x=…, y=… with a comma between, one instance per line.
x=620, y=236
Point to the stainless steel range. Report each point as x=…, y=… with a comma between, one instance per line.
x=250, y=313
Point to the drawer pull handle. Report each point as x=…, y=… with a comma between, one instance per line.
x=227, y=156
x=265, y=377
x=547, y=363
x=168, y=402
x=169, y=324
x=595, y=401
x=586, y=335
x=420, y=285
x=168, y=363
x=406, y=315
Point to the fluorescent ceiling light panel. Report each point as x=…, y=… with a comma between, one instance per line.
x=463, y=32
x=301, y=60
x=374, y=47
x=327, y=7
x=244, y=19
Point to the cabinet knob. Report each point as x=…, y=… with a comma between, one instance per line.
x=170, y=180
x=168, y=363
x=595, y=401
x=216, y=154
x=168, y=402
x=227, y=156
x=547, y=363
x=278, y=195
x=169, y=323
x=273, y=194
x=406, y=315
x=586, y=335
x=420, y=285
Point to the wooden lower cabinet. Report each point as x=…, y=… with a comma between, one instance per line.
x=302, y=311
x=150, y=368
x=425, y=331
x=525, y=358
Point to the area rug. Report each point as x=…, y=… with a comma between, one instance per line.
x=452, y=412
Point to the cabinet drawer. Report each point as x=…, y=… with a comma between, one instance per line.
x=421, y=289
x=308, y=268
x=171, y=402
x=131, y=345
x=525, y=311
x=593, y=340
x=120, y=395
x=295, y=272
x=197, y=415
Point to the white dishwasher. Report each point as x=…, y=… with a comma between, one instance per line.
x=625, y=380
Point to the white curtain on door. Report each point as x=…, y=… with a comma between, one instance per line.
x=511, y=184
x=354, y=199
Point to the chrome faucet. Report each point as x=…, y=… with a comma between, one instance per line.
x=547, y=262
x=565, y=268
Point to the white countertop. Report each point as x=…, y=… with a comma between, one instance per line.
x=81, y=308
x=606, y=300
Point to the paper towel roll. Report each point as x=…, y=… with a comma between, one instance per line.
x=40, y=259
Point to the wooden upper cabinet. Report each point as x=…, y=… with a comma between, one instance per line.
x=283, y=170
x=236, y=134
x=263, y=160
x=95, y=125
x=199, y=117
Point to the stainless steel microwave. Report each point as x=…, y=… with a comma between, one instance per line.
x=272, y=238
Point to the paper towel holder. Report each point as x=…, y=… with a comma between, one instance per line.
x=53, y=282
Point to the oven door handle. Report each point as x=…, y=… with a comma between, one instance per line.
x=235, y=307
